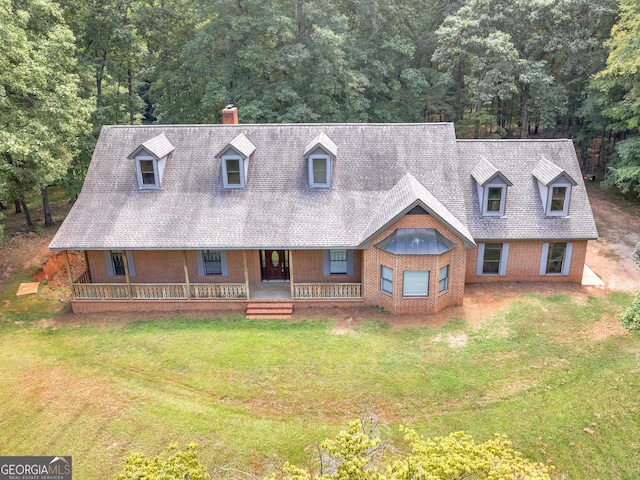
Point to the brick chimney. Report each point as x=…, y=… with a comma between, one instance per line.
x=230, y=115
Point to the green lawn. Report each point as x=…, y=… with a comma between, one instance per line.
x=255, y=393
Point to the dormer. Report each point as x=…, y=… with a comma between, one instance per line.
x=492, y=188
x=320, y=153
x=234, y=159
x=151, y=159
x=554, y=185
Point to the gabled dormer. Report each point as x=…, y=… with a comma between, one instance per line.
x=554, y=185
x=151, y=159
x=320, y=154
x=234, y=159
x=492, y=188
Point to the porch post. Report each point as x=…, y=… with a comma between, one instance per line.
x=66, y=259
x=291, y=273
x=246, y=272
x=126, y=273
x=186, y=274
x=86, y=264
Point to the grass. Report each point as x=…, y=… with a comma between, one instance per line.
x=553, y=373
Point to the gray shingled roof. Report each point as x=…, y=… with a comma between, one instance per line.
x=241, y=144
x=321, y=141
x=484, y=171
x=548, y=172
x=277, y=209
x=158, y=146
x=524, y=216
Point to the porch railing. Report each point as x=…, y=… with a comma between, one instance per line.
x=158, y=291
x=327, y=290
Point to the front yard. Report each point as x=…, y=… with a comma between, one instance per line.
x=555, y=373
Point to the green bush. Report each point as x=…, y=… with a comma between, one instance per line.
x=630, y=317
x=357, y=455
x=171, y=464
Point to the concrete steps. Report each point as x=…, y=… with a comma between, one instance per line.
x=266, y=310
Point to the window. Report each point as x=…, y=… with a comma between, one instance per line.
x=443, y=282
x=147, y=172
x=494, y=199
x=386, y=279
x=492, y=259
x=415, y=283
x=212, y=262
x=558, y=198
x=338, y=261
x=232, y=172
x=556, y=258
x=115, y=263
x=320, y=171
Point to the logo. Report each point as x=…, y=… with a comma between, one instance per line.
x=35, y=468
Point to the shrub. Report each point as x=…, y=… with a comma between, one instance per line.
x=355, y=455
x=170, y=464
x=630, y=317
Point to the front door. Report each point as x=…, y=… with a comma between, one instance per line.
x=275, y=264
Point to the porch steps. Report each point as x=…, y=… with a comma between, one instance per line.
x=265, y=310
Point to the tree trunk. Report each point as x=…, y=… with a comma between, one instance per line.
x=131, y=101
x=48, y=219
x=27, y=216
x=18, y=206
x=524, y=111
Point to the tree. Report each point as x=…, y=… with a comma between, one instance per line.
x=359, y=453
x=41, y=112
x=619, y=86
x=172, y=463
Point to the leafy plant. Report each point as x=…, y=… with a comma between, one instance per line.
x=630, y=317
x=356, y=454
x=172, y=463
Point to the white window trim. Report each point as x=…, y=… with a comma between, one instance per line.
x=503, y=198
x=446, y=279
x=223, y=262
x=567, y=200
x=566, y=261
x=502, y=268
x=388, y=279
x=326, y=262
x=111, y=270
x=225, y=178
x=156, y=173
x=323, y=156
x=418, y=295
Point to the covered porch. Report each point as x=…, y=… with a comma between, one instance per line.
x=244, y=274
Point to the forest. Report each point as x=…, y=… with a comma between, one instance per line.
x=498, y=69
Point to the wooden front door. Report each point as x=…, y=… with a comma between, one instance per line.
x=275, y=264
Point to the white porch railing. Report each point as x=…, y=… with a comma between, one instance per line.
x=327, y=290
x=158, y=291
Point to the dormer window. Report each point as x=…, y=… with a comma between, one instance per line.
x=320, y=153
x=147, y=172
x=554, y=185
x=320, y=171
x=232, y=171
x=151, y=159
x=235, y=162
x=492, y=188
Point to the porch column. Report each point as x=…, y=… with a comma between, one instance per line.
x=66, y=259
x=126, y=273
x=246, y=272
x=186, y=274
x=291, y=273
x=86, y=264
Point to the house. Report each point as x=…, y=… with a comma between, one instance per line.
x=402, y=216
